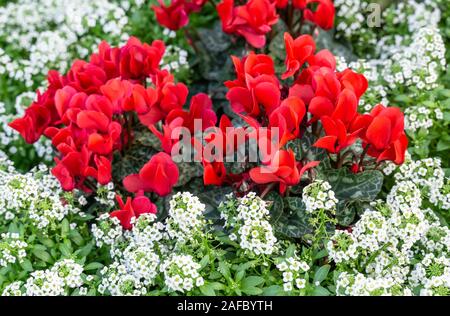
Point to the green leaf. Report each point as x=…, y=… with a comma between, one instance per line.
x=252, y=281
x=43, y=255
x=321, y=254
x=187, y=171
x=290, y=251
x=76, y=237
x=65, y=250
x=345, y=212
x=294, y=224
x=321, y=273
x=224, y=269
x=252, y=290
x=215, y=275
x=274, y=290
x=320, y=291
x=12, y=228
x=47, y=242
x=207, y=290
x=295, y=203
x=26, y=265
x=83, y=252
x=205, y=261
x=93, y=266
x=349, y=186
x=239, y=275
x=277, y=206
x=65, y=227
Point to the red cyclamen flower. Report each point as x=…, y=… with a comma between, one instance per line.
x=159, y=175
x=297, y=52
x=282, y=169
x=133, y=208
x=385, y=134
x=252, y=20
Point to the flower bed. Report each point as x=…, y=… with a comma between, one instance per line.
x=237, y=148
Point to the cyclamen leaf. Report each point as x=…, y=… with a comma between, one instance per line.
x=277, y=208
x=348, y=186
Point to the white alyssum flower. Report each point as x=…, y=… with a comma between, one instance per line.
x=318, y=195
x=393, y=250
x=418, y=117
x=293, y=272
x=36, y=195
x=70, y=272
x=418, y=64
x=181, y=273
x=12, y=249
x=13, y=289
x=185, y=217
x=247, y=218
x=107, y=230
x=48, y=34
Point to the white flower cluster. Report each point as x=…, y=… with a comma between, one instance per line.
x=432, y=274
x=35, y=196
x=12, y=249
x=318, y=195
x=386, y=252
x=175, y=58
x=117, y=281
x=418, y=64
x=152, y=248
x=48, y=34
x=359, y=284
x=61, y=279
x=352, y=22
x=293, y=270
x=136, y=256
x=248, y=219
x=443, y=198
x=106, y=195
x=181, y=273
x=70, y=272
x=107, y=230
x=428, y=175
x=412, y=15
x=185, y=217
x=418, y=117
x=405, y=196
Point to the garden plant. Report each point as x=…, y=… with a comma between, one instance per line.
x=233, y=147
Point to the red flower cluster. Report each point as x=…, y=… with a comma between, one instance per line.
x=176, y=14
x=328, y=96
x=84, y=112
x=322, y=16
x=252, y=20
x=255, y=19
x=332, y=97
